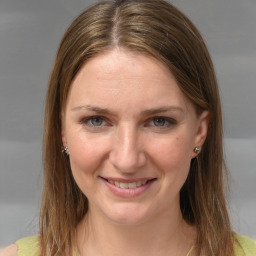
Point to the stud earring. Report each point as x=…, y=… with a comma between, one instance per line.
x=65, y=150
x=196, y=149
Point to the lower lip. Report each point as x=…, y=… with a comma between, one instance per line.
x=128, y=192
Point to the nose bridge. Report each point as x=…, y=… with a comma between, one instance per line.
x=127, y=154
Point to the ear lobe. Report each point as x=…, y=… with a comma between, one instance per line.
x=202, y=129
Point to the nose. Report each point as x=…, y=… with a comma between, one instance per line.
x=127, y=154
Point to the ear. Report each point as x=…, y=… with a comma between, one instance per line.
x=201, y=132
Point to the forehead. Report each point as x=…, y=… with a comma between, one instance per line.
x=123, y=64
x=119, y=74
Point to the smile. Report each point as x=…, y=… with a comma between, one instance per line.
x=128, y=184
x=128, y=188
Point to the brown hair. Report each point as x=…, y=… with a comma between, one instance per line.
x=152, y=27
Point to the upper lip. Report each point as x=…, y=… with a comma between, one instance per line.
x=127, y=180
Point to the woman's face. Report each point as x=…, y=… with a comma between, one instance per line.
x=131, y=133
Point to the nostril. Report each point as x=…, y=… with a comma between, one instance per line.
x=127, y=161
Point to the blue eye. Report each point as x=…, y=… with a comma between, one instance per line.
x=162, y=122
x=94, y=122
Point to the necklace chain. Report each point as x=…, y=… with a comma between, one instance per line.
x=190, y=251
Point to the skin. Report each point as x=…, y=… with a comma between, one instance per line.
x=126, y=118
x=10, y=250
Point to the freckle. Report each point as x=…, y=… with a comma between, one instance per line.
x=177, y=138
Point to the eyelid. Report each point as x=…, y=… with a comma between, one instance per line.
x=85, y=121
x=170, y=122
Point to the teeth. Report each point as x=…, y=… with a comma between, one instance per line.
x=123, y=185
x=128, y=184
x=132, y=185
x=138, y=184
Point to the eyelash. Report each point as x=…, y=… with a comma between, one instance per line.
x=168, y=122
x=88, y=122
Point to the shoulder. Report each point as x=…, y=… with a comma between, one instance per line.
x=28, y=246
x=10, y=250
x=244, y=246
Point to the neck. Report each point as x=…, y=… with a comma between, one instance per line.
x=165, y=235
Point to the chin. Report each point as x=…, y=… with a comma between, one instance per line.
x=127, y=220
x=128, y=215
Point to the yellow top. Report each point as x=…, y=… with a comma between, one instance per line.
x=246, y=246
x=29, y=246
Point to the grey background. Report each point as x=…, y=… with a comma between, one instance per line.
x=30, y=31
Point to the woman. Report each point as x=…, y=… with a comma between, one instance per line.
x=133, y=101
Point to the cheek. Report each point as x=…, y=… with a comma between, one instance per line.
x=172, y=159
x=87, y=156
x=173, y=154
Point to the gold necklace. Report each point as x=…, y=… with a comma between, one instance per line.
x=190, y=251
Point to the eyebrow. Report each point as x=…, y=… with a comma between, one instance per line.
x=144, y=112
x=162, y=110
x=93, y=108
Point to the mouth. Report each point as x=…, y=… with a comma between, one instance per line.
x=129, y=185
x=128, y=188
